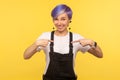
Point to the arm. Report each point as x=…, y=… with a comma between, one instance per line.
x=95, y=50
x=31, y=50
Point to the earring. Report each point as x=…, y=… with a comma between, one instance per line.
x=69, y=28
x=53, y=28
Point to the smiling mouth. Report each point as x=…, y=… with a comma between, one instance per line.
x=60, y=26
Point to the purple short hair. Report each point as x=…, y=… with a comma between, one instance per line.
x=62, y=8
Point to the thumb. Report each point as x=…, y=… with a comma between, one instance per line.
x=50, y=41
x=75, y=41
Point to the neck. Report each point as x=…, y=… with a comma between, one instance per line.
x=61, y=33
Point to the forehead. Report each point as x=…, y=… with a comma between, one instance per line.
x=63, y=15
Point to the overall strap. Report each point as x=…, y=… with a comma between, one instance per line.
x=70, y=44
x=51, y=44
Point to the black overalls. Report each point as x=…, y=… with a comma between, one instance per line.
x=61, y=65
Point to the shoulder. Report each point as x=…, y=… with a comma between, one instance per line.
x=77, y=36
x=44, y=35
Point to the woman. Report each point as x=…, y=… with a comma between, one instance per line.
x=61, y=46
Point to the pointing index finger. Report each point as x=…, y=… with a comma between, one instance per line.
x=50, y=40
x=75, y=41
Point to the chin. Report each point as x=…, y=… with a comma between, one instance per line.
x=60, y=30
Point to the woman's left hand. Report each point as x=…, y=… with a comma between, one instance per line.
x=84, y=42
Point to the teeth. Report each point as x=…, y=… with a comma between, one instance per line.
x=59, y=27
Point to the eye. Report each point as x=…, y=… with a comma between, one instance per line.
x=63, y=19
x=55, y=19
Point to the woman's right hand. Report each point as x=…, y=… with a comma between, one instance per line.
x=43, y=42
x=28, y=53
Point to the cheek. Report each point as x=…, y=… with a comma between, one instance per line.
x=67, y=23
x=54, y=22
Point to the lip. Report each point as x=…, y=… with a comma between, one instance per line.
x=60, y=26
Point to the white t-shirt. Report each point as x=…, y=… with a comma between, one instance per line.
x=61, y=45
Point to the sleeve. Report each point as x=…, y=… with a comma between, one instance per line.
x=80, y=47
x=44, y=35
x=84, y=49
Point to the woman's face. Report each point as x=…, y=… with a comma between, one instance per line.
x=61, y=22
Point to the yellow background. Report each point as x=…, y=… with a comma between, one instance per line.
x=22, y=21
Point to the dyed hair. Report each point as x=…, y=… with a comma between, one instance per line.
x=62, y=8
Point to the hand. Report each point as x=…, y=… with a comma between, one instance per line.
x=43, y=42
x=84, y=42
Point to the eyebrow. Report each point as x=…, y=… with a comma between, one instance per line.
x=61, y=17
